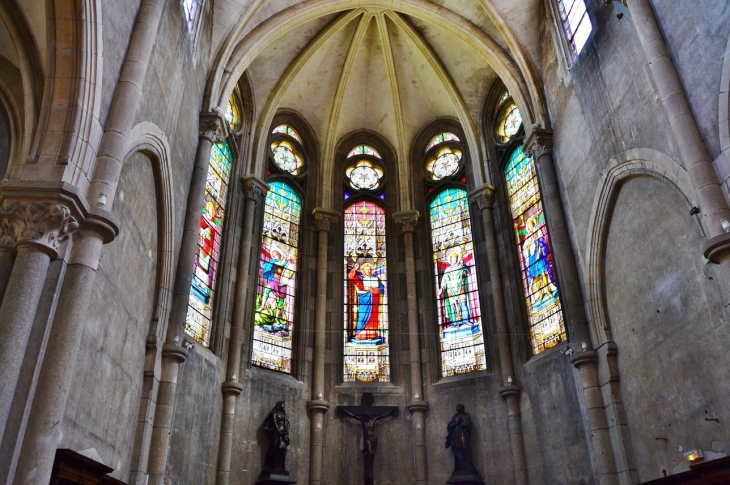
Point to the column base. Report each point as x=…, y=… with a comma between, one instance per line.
x=471, y=478
x=273, y=478
x=717, y=249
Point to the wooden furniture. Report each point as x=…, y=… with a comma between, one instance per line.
x=71, y=468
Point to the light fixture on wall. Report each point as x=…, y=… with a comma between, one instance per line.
x=725, y=225
x=693, y=456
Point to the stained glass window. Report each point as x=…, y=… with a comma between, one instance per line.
x=445, y=163
x=288, y=131
x=364, y=150
x=459, y=315
x=509, y=123
x=505, y=96
x=233, y=115
x=364, y=175
x=190, y=7
x=576, y=23
x=547, y=327
x=366, y=336
x=287, y=157
x=200, y=308
x=441, y=138
x=274, y=314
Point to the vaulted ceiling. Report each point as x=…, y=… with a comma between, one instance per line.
x=389, y=66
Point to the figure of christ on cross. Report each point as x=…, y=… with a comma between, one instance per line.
x=370, y=441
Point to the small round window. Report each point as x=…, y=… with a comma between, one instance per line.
x=364, y=175
x=445, y=163
x=286, y=157
x=509, y=123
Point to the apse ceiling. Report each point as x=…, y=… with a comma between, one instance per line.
x=391, y=67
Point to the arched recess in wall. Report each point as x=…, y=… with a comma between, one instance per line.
x=149, y=139
x=21, y=85
x=73, y=80
x=632, y=163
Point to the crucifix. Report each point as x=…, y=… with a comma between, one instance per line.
x=368, y=415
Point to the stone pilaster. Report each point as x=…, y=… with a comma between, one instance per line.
x=408, y=222
x=483, y=199
x=212, y=128
x=318, y=406
x=253, y=190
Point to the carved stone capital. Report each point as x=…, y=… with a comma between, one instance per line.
x=539, y=143
x=482, y=197
x=253, y=188
x=213, y=126
x=407, y=220
x=325, y=219
x=42, y=224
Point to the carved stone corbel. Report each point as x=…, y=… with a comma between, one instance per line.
x=482, y=198
x=44, y=225
x=253, y=188
x=213, y=127
x=539, y=144
x=325, y=219
x=407, y=220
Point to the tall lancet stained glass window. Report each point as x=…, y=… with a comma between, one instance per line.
x=547, y=327
x=366, y=339
x=276, y=289
x=459, y=315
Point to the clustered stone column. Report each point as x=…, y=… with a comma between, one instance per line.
x=692, y=148
x=212, y=130
x=34, y=230
x=318, y=406
x=253, y=189
x=539, y=146
x=483, y=199
x=407, y=221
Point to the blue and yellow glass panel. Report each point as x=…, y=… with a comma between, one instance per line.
x=276, y=288
x=366, y=339
x=576, y=24
x=200, y=307
x=461, y=332
x=547, y=326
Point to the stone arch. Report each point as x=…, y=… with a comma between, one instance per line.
x=20, y=97
x=724, y=102
x=72, y=92
x=148, y=138
x=631, y=163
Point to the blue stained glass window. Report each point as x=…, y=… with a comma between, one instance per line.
x=441, y=138
x=547, y=326
x=364, y=150
x=459, y=315
x=366, y=339
x=288, y=131
x=190, y=8
x=276, y=291
x=200, y=307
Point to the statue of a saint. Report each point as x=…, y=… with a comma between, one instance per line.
x=276, y=426
x=458, y=439
x=370, y=441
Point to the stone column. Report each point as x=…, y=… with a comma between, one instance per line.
x=692, y=149
x=407, y=221
x=587, y=363
x=35, y=229
x=253, y=189
x=212, y=129
x=539, y=146
x=318, y=406
x=483, y=199
x=126, y=100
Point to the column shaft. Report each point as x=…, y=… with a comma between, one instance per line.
x=44, y=431
x=318, y=406
x=691, y=146
x=17, y=313
x=484, y=200
x=408, y=221
x=7, y=258
x=253, y=189
x=173, y=354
